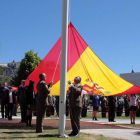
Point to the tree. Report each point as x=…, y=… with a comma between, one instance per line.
x=27, y=66
x=4, y=79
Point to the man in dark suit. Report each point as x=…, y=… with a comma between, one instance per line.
x=4, y=93
x=75, y=104
x=22, y=100
x=111, y=109
x=10, y=101
x=42, y=101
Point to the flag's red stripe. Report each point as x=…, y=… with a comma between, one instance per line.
x=134, y=89
x=76, y=46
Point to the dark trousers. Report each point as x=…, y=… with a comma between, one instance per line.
x=49, y=111
x=103, y=112
x=75, y=114
x=23, y=108
x=3, y=105
x=137, y=112
x=10, y=110
x=41, y=109
x=14, y=110
x=119, y=111
x=111, y=113
x=84, y=112
x=67, y=110
x=127, y=111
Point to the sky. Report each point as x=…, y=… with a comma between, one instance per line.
x=110, y=27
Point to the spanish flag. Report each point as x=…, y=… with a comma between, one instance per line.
x=96, y=77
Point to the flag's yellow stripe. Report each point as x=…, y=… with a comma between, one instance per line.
x=89, y=66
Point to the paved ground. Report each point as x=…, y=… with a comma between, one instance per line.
x=102, y=126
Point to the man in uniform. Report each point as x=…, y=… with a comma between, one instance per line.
x=75, y=104
x=42, y=101
x=22, y=101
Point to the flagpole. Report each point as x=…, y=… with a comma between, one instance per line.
x=63, y=69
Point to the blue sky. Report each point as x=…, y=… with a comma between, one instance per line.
x=110, y=27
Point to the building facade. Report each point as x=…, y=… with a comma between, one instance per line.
x=9, y=69
x=133, y=77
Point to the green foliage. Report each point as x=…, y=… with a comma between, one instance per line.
x=4, y=79
x=27, y=66
x=2, y=69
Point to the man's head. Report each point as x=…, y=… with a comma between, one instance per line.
x=77, y=79
x=42, y=76
x=5, y=84
x=23, y=82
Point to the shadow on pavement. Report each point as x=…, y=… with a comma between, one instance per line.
x=137, y=133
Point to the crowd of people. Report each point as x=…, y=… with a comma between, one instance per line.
x=42, y=103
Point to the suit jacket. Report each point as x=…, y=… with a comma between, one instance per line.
x=21, y=95
x=42, y=90
x=13, y=96
x=4, y=92
x=30, y=98
x=75, y=96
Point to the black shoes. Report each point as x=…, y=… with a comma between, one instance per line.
x=112, y=121
x=73, y=134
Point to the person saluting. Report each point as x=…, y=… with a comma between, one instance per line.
x=75, y=105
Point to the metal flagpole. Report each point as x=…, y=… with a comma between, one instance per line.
x=63, y=72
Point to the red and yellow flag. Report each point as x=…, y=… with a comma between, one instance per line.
x=96, y=77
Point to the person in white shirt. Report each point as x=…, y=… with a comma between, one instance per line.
x=133, y=107
x=10, y=102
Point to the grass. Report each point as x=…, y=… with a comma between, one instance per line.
x=20, y=132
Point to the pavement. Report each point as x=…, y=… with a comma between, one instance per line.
x=101, y=127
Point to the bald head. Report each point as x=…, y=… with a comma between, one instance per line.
x=77, y=80
x=42, y=76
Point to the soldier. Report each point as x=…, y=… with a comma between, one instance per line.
x=4, y=93
x=22, y=101
x=43, y=91
x=75, y=104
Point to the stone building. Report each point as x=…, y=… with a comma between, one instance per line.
x=9, y=69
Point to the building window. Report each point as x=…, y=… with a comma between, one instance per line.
x=7, y=72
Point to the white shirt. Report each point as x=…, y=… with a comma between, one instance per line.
x=10, y=97
x=133, y=100
x=33, y=95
